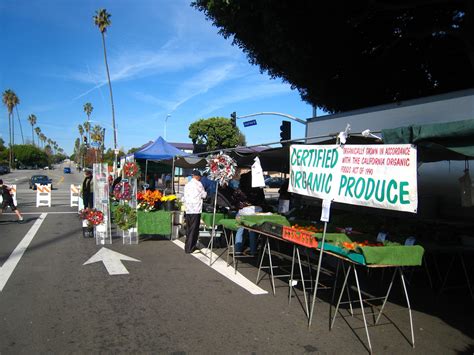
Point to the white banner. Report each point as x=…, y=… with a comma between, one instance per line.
x=380, y=176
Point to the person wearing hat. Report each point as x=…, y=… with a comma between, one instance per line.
x=8, y=201
x=88, y=190
x=194, y=194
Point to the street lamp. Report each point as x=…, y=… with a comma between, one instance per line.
x=166, y=120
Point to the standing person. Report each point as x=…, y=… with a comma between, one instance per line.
x=88, y=190
x=8, y=201
x=194, y=194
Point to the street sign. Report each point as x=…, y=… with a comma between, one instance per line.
x=250, y=123
x=95, y=144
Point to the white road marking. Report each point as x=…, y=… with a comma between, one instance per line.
x=112, y=261
x=27, y=213
x=221, y=267
x=9, y=266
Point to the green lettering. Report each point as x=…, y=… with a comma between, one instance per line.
x=327, y=189
x=360, y=181
x=350, y=185
x=342, y=184
x=303, y=182
x=309, y=182
x=293, y=157
x=380, y=192
x=304, y=157
x=370, y=188
x=404, y=193
x=335, y=158
x=327, y=158
x=298, y=179
x=392, y=184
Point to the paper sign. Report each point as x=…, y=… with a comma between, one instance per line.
x=381, y=237
x=325, y=210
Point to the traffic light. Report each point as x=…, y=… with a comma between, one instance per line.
x=285, y=131
x=85, y=140
x=233, y=119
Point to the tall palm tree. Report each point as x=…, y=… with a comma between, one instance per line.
x=87, y=128
x=32, y=119
x=81, y=131
x=21, y=127
x=38, y=132
x=88, y=110
x=10, y=100
x=43, y=138
x=102, y=21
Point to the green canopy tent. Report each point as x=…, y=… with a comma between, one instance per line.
x=436, y=142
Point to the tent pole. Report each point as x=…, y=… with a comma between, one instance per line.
x=146, y=170
x=172, y=178
x=213, y=233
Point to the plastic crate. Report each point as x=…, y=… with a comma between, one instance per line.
x=270, y=228
x=300, y=237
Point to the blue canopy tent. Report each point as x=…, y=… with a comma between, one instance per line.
x=159, y=150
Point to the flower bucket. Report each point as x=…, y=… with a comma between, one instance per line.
x=169, y=205
x=88, y=232
x=130, y=236
x=101, y=235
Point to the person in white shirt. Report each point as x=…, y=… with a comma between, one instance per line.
x=194, y=194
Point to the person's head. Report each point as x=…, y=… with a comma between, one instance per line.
x=1, y=182
x=197, y=175
x=87, y=172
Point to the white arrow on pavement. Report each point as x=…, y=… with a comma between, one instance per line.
x=112, y=261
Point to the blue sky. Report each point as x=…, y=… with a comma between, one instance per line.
x=164, y=58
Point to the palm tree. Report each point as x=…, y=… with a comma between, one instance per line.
x=32, y=119
x=10, y=100
x=102, y=21
x=88, y=110
x=21, y=127
x=38, y=132
x=43, y=138
x=87, y=128
x=81, y=131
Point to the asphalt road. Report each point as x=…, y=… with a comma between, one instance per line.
x=170, y=302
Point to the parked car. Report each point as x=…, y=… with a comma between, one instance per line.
x=4, y=169
x=40, y=179
x=67, y=170
x=274, y=182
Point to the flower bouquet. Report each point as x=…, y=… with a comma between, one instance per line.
x=131, y=170
x=123, y=191
x=221, y=168
x=148, y=201
x=90, y=219
x=125, y=217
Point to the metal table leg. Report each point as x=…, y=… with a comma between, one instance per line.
x=340, y=296
x=362, y=308
x=291, y=275
x=408, y=305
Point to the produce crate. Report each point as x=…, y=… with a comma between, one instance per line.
x=270, y=228
x=300, y=237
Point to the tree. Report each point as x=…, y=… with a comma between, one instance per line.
x=87, y=128
x=10, y=100
x=32, y=119
x=102, y=21
x=88, y=110
x=343, y=55
x=215, y=133
x=27, y=154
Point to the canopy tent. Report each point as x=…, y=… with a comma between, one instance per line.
x=159, y=150
x=438, y=141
